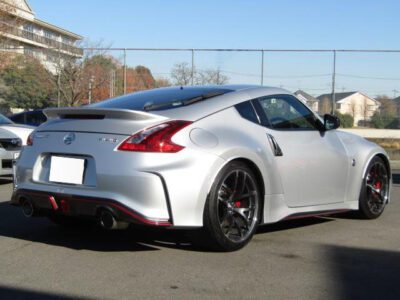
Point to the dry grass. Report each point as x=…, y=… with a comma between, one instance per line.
x=392, y=144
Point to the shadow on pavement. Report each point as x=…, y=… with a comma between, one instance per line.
x=138, y=238
x=13, y=224
x=22, y=294
x=364, y=273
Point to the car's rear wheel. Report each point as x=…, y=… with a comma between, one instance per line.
x=232, y=210
x=375, y=189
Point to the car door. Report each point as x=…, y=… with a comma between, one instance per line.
x=312, y=163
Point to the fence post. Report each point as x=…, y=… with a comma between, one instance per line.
x=262, y=67
x=192, y=67
x=333, y=83
x=125, y=71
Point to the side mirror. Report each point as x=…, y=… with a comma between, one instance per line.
x=331, y=122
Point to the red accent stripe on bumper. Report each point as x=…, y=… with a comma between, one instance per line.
x=139, y=218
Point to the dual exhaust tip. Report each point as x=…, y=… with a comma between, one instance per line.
x=106, y=218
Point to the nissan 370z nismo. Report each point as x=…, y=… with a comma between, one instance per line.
x=225, y=158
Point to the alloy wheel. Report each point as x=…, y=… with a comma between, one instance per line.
x=237, y=205
x=377, y=187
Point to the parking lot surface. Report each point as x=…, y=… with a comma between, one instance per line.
x=330, y=257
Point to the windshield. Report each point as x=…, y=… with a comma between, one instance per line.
x=4, y=120
x=162, y=99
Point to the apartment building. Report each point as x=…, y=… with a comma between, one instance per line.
x=21, y=32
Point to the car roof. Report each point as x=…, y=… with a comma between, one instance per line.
x=238, y=94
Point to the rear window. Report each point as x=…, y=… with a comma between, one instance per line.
x=161, y=99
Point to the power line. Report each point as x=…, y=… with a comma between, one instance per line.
x=366, y=77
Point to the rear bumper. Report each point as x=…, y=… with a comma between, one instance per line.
x=6, y=162
x=46, y=203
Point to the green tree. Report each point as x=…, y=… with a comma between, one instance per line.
x=27, y=83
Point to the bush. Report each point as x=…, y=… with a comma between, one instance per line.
x=346, y=120
x=383, y=120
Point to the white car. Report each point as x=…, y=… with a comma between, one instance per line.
x=225, y=158
x=12, y=138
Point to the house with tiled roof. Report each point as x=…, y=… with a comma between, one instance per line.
x=307, y=99
x=357, y=104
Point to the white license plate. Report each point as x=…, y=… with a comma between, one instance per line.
x=67, y=170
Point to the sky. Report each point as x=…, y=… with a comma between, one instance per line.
x=251, y=24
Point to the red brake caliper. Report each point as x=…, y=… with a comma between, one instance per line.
x=237, y=204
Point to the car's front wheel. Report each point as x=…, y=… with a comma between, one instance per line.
x=375, y=189
x=232, y=210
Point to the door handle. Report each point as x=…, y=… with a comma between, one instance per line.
x=274, y=145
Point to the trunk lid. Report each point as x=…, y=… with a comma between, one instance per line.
x=97, y=120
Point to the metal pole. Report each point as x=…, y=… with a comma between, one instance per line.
x=91, y=80
x=262, y=67
x=192, y=67
x=58, y=90
x=333, y=83
x=90, y=90
x=111, y=83
x=59, y=79
x=125, y=71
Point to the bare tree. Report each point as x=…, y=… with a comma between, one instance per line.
x=162, y=82
x=325, y=106
x=387, y=105
x=181, y=74
x=365, y=111
x=211, y=76
x=75, y=78
x=353, y=108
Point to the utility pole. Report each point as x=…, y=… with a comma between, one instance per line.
x=333, y=83
x=395, y=93
x=125, y=71
x=59, y=78
x=112, y=80
x=192, y=73
x=90, y=88
x=58, y=88
x=262, y=67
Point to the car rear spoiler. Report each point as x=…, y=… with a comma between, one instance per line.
x=99, y=113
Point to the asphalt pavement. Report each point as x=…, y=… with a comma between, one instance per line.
x=318, y=258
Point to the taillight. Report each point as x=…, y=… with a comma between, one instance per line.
x=155, y=139
x=29, y=141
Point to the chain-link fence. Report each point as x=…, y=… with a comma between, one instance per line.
x=361, y=84
x=374, y=72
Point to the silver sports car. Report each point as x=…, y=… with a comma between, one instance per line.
x=225, y=158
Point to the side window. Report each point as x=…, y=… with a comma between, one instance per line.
x=18, y=119
x=247, y=112
x=286, y=112
x=36, y=118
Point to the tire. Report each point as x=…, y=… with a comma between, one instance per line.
x=233, y=208
x=374, y=190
